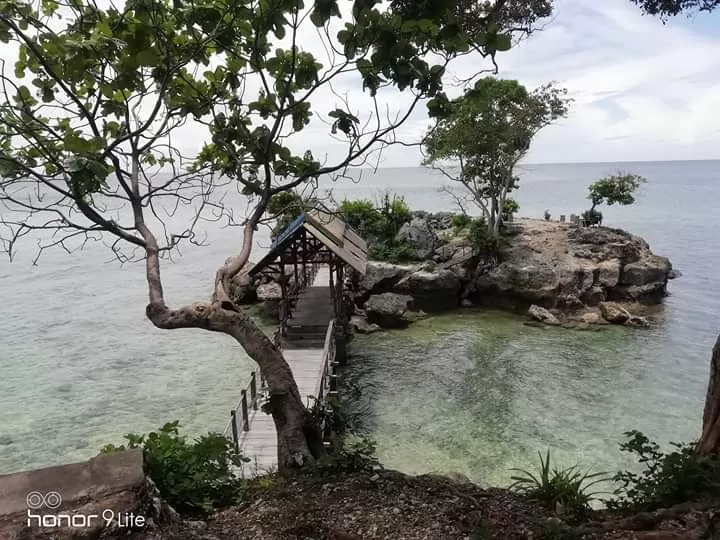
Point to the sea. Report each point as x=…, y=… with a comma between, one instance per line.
x=475, y=392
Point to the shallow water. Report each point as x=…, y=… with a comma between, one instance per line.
x=474, y=392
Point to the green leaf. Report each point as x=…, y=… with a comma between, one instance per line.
x=148, y=58
x=503, y=42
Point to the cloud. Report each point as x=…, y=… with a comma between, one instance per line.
x=642, y=90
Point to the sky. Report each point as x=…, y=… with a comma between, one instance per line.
x=642, y=90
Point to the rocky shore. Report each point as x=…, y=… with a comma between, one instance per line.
x=554, y=273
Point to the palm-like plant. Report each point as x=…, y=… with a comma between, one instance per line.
x=566, y=490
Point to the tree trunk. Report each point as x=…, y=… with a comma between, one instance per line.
x=299, y=438
x=710, y=440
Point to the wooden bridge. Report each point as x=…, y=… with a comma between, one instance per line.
x=309, y=259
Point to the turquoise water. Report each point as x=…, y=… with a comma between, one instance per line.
x=475, y=392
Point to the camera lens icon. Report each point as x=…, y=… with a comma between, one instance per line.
x=36, y=500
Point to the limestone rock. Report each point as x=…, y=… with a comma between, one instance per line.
x=608, y=273
x=614, y=313
x=113, y=482
x=542, y=315
x=432, y=289
x=389, y=310
x=650, y=270
x=420, y=235
x=243, y=288
x=590, y=318
x=382, y=276
x=638, y=322
x=362, y=326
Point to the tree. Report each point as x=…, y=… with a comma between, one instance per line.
x=709, y=443
x=615, y=189
x=480, y=137
x=99, y=96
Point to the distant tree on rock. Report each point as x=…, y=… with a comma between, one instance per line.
x=615, y=189
x=709, y=443
x=480, y=137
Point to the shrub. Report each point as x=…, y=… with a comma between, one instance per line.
x=349, y=454
x=394, y=253
x=667, y=478
x=559, y=488
x=192, y=476
x=285, y=207
x=361, y=215
x=592, y=217
x=461, y=221
x=510, y=207
x=482, y=239
x=379, y=223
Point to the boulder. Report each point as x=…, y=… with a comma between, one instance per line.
x=389, y=310
x=109, y=483
x=590, y=318
x=270, y=294
x=362, y=326
x=419, y=235
x=608, y=273
x=542, y=315
x=382, y=276
x=650, y=270
x=638, y=322
x=613, y=313
x=433, y=289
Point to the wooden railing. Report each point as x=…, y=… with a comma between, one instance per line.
x=250, y=398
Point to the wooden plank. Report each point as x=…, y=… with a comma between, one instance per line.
x=329, y=224
x=350, y=258
x=260, y=442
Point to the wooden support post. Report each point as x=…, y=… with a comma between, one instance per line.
x=244, y=410
x=253, y=391
x=233, y=426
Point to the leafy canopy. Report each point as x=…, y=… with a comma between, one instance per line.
x=615, y=189
x=485, y=132
x=671, y=8
x=97, y=92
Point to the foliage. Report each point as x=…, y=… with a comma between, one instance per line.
x=510, y=208
x=591, y=218
x=667, y=478
x=482, y=239
x=484, y=134
x=670, y=8
x=286, y=206
x=98, y=91
x=395, y=252
x=615, y=189
x=566, y=488
x=349, y=454
x=460, y=221
x=379, y=223
x=193, y=476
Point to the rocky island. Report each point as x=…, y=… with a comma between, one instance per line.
x=553, y=272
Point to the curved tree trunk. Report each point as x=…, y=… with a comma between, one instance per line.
x=710, y=440
x=299, y=438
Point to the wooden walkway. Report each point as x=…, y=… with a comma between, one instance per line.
x=309, y=350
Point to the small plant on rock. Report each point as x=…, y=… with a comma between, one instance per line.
x=564, y=490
